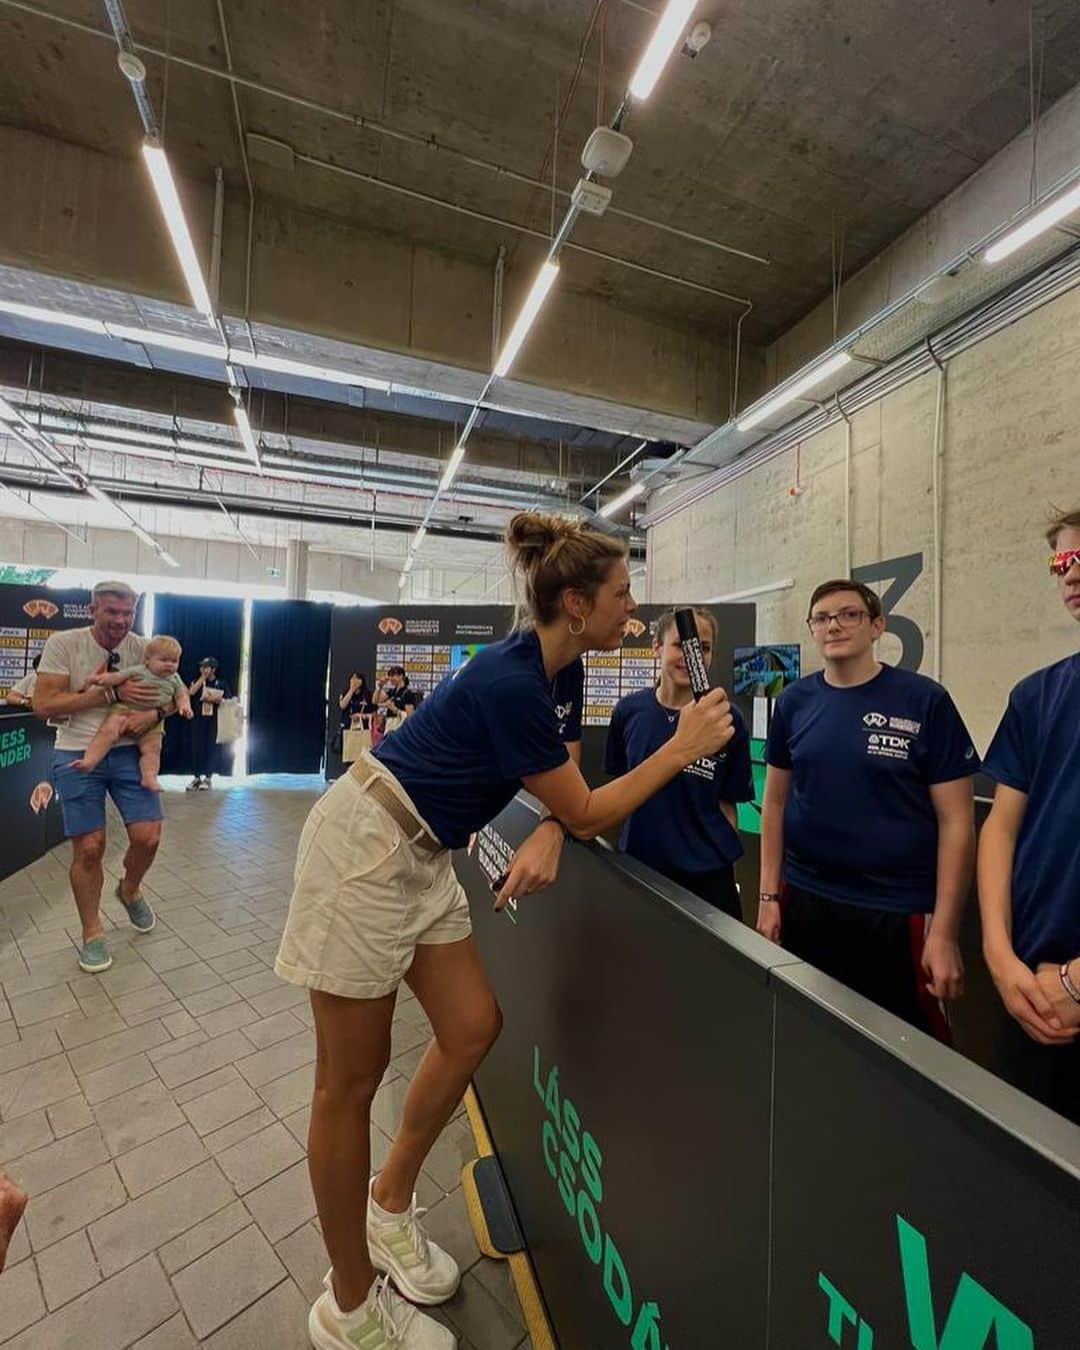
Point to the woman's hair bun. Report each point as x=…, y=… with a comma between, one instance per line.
x=551, y=553
x=530, y=535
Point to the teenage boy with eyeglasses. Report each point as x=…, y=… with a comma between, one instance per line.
x=868, y=832
x=1029, y=863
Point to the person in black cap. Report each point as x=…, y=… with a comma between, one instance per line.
x=206, y=693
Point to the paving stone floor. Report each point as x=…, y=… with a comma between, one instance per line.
x=157, y=1113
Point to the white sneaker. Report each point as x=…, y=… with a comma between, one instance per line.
x=384, y=1321
x=400, y=1248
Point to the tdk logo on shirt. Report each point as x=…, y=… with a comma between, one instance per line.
x=704, y=767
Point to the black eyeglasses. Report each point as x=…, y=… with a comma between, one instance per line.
x=846, y=618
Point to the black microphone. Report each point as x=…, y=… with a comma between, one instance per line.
x=692, y=653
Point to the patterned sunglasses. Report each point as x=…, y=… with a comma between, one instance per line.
x=1061, y=562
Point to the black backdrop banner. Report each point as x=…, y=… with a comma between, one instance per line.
x=290, y=641
x=28, y=615
x=203, y=627
x=431, y=641
x=428, y=640
x=28, y=803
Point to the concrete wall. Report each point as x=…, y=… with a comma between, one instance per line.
x=1011, y=433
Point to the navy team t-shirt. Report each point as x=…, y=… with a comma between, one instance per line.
x=681, y=827
x=859, y=825
x=462, y=755
x=1036, y=750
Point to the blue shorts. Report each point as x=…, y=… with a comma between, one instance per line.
x=82, y=795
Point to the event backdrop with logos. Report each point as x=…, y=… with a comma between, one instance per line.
x=709, y=1144
x=434, y=640
x=28, y=615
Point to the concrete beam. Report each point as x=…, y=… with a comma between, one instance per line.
x=83, y=214
x=90, y=381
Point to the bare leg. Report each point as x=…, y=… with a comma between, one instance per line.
x=352, y=1051
x=12, y=1204
x=87, y=876
x=150, y=760
x=106, y=737
x=144, y=836
x=452, y=986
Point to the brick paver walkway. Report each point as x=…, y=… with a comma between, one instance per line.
x=157, y=1113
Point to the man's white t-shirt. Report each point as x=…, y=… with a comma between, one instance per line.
x=25, y=686
x=74, y=653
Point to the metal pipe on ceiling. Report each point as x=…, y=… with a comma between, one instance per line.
x=361, y=123
x=561, y=240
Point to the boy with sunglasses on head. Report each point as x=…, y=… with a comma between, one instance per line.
x=868, y=831
x=1029, y=863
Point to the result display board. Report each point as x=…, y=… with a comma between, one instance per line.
x=28, y=616
x=709, y=1144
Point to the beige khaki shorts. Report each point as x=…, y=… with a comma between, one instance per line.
x=364, y=897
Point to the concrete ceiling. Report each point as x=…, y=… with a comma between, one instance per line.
x=414, y=140
x=796, y=119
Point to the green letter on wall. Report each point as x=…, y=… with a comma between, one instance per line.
x=974, y=1312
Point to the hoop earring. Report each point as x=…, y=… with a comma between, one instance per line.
x=578, y=633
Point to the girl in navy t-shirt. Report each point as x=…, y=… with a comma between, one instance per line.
x=687, y=831
x=376, y=902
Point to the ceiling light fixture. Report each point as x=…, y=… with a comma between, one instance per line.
x=788, y=395
x=157, y=163
x=452, y=466
x=421, y=534
x=1035, y=225
x=541, y=286
x=623, y=499
x=663, y=42
x=243, y=425
x=98, y=495
x=167, y=558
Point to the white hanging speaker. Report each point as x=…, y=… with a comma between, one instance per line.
x=606, y=152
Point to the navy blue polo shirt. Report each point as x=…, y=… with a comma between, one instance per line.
x=680, y=828
x=860, y=825
x=1036, y=750
x=462, y=754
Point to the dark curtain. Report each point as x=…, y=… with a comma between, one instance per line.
x=290, y=649
x=203, y=627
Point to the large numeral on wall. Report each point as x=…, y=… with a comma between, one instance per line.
x=903, y=573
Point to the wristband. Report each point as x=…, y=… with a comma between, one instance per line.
x=1067, y=983
x=770, y=897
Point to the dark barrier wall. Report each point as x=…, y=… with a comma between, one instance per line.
x=290, y=640
x=28, y=806
x=204, y=626
x=711, y=1145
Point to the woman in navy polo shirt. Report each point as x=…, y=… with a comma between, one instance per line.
x=868, y=828
x=376, y=901
x=688, y=830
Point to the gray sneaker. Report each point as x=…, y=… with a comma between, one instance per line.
x=95, y=957
x=139, y=912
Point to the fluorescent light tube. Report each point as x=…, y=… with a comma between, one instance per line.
x=623, y=499
x=287, y=366
x=243, y=425
x=663, y=42
x=407, y=565
x=452, y=467
x=157, y=163
x=150, y=337
x=8, y=413
x=536, y=297
x=94, y=491
x=420, y=535
x=146, y=537
x=1035, y=225
x=402, y=581
x=167, y=558
x=794, y=391
x=39, y=315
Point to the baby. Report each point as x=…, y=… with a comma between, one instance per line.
x=160, y=660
